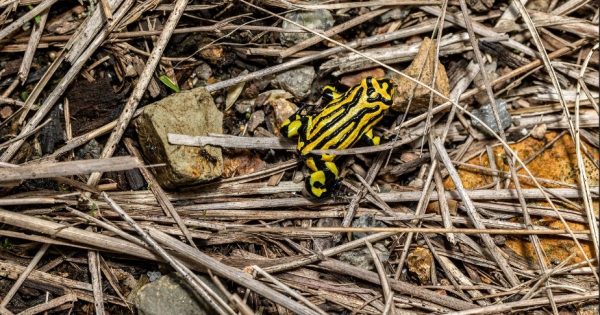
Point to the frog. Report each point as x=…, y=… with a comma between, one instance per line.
x=347, y=118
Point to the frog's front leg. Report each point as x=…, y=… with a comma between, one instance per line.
x=330, y=93
x=292, y=126
x=369, y=139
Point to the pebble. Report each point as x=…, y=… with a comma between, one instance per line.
x=257, y=118
x=296, y=81
x=244, y=106
x=539, y=131
x=318, y=20
x=6, y=112
x=422, y=66
x=283, y=109
x=171, y=294
x=485, y=114
x=191, y=113
x=203, y=71
x=394, y=15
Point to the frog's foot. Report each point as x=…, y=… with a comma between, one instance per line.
x=369, y=139
x=320, y=184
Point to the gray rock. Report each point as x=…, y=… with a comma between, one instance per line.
x=191, y=113
x=90, y=150
x=320, y=20
x=244, y=106
x=203, y=71
x=365, y=221
x=394, y=15
x=296, y=81
x=485, y=114
x=321, y=244
x=171, y=294
x=153, y=275
x=362, y=257
x=257, y=118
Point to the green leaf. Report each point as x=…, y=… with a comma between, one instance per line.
x=24, y=96
x=169, y=83
x=37, y=18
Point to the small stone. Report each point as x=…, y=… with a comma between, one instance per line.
x=480, y=5
x=244, y=106
x=171, y=294
x=490, y=69
x=257, y=118
x=394, y=15
x=242, y=163
x=419, y=262
x=191, y=113
x=434, y=207
x=423, y=65
x=153, y=275
x=355, y=79
x=365, y=221
x=251, y=91
x=203, y=71
x=485, y=114
x=538, y=5
x=539, y=131
x=296, y=81
x=362, y=257
x=320, y=244
x=283, y=109
x=499, y=240
x=317, y=20
x=212, y=54
x=6, y=112
x=90, y=150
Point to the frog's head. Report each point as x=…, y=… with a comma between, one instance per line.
x=379, y=90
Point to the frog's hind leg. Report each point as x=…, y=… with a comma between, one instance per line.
x=320, y=184
x=322, y=181
x=291, y=126
x=369, y=139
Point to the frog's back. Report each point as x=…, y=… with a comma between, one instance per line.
x=346, y=119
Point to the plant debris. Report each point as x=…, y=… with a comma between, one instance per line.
x=140, y=148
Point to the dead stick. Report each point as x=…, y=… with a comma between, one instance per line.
x=202, y=260
x=25, y=18
x=506, y=307
x=199, y=286
x=40, y=253
x=61, y=86
x=70, y=297
x=47, y=170
x=409, y=230
x=159, y=193
x=332, y=31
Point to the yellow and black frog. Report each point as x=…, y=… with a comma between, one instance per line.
x=346, y=119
